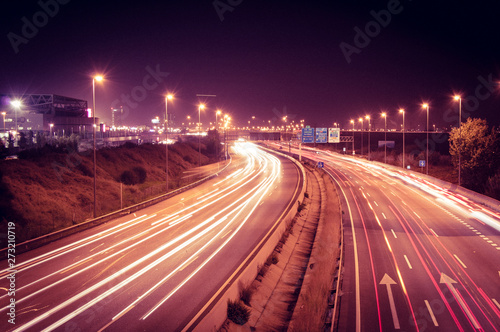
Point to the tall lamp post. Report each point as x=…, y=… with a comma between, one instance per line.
x=403, y=112
x=284, y=119
x=94, y=79
x=200, y=107
x=3, y=114
x=384, y=115
x=369, y=130
x=426, y=106
x=167, y=98
x=217, y=113
x=352, y=122
x=361, y=120
x=17, y=105
x=459, y=98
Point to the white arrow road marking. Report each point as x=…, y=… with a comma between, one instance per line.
x=449, y=282
x=386, y=280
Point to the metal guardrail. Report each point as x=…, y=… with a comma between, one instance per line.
x=51, y=237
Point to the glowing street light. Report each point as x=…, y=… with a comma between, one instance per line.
x=51, y=126
x=403, y=129
x=167, y=98
x=98, y=78
x=459, y=99
x=426, y=106
x=17, y=106
x=384, y=115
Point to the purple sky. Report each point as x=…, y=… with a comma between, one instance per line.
x=261, y=58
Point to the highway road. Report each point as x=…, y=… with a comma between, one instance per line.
x=155, y=269
x=417, y=256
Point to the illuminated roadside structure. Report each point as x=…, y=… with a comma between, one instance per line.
x=38, y=111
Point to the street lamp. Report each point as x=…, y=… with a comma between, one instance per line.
x=200, y=107
x=167, y=98
x=95, y=78
x=17, y=105
x=459, y=98
x=51, y=126
x=352, y=122
x=369, y=130
x=218, y=112
x=3, y=114
x=361, y=120
x=284, y=119
x=384, y=115
x=426, y=106
x=403, y=112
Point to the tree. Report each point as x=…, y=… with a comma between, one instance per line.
x=479, y=150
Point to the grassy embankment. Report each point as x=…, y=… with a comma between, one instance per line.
x=49, y=190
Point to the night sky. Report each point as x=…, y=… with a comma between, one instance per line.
x=304, y=59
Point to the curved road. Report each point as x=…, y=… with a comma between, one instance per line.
x=154, y=270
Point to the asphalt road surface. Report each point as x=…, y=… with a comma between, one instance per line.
x=155, y=269
x=418, y=257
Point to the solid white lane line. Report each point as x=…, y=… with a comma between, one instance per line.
x=408, y=262
x=356, y=260
x=431, y=313
x=394, y=233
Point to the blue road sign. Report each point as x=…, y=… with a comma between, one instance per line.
x=321, y=135
x=321, y=164
x=421, y=163
x=307, y=135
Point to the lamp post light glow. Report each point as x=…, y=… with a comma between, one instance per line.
x=200, y=107
x=51, y=126
x=94, y=79
x=459, y=99
x=384, y=115
x=426, y=106
x=403, y=129
x=167, y=98
x=361, y=120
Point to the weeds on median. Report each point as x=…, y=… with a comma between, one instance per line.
x=237, y=312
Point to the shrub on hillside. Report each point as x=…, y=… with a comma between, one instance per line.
x=128, y=178
x=140, y=173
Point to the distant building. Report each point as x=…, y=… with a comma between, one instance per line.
x=38, y=111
